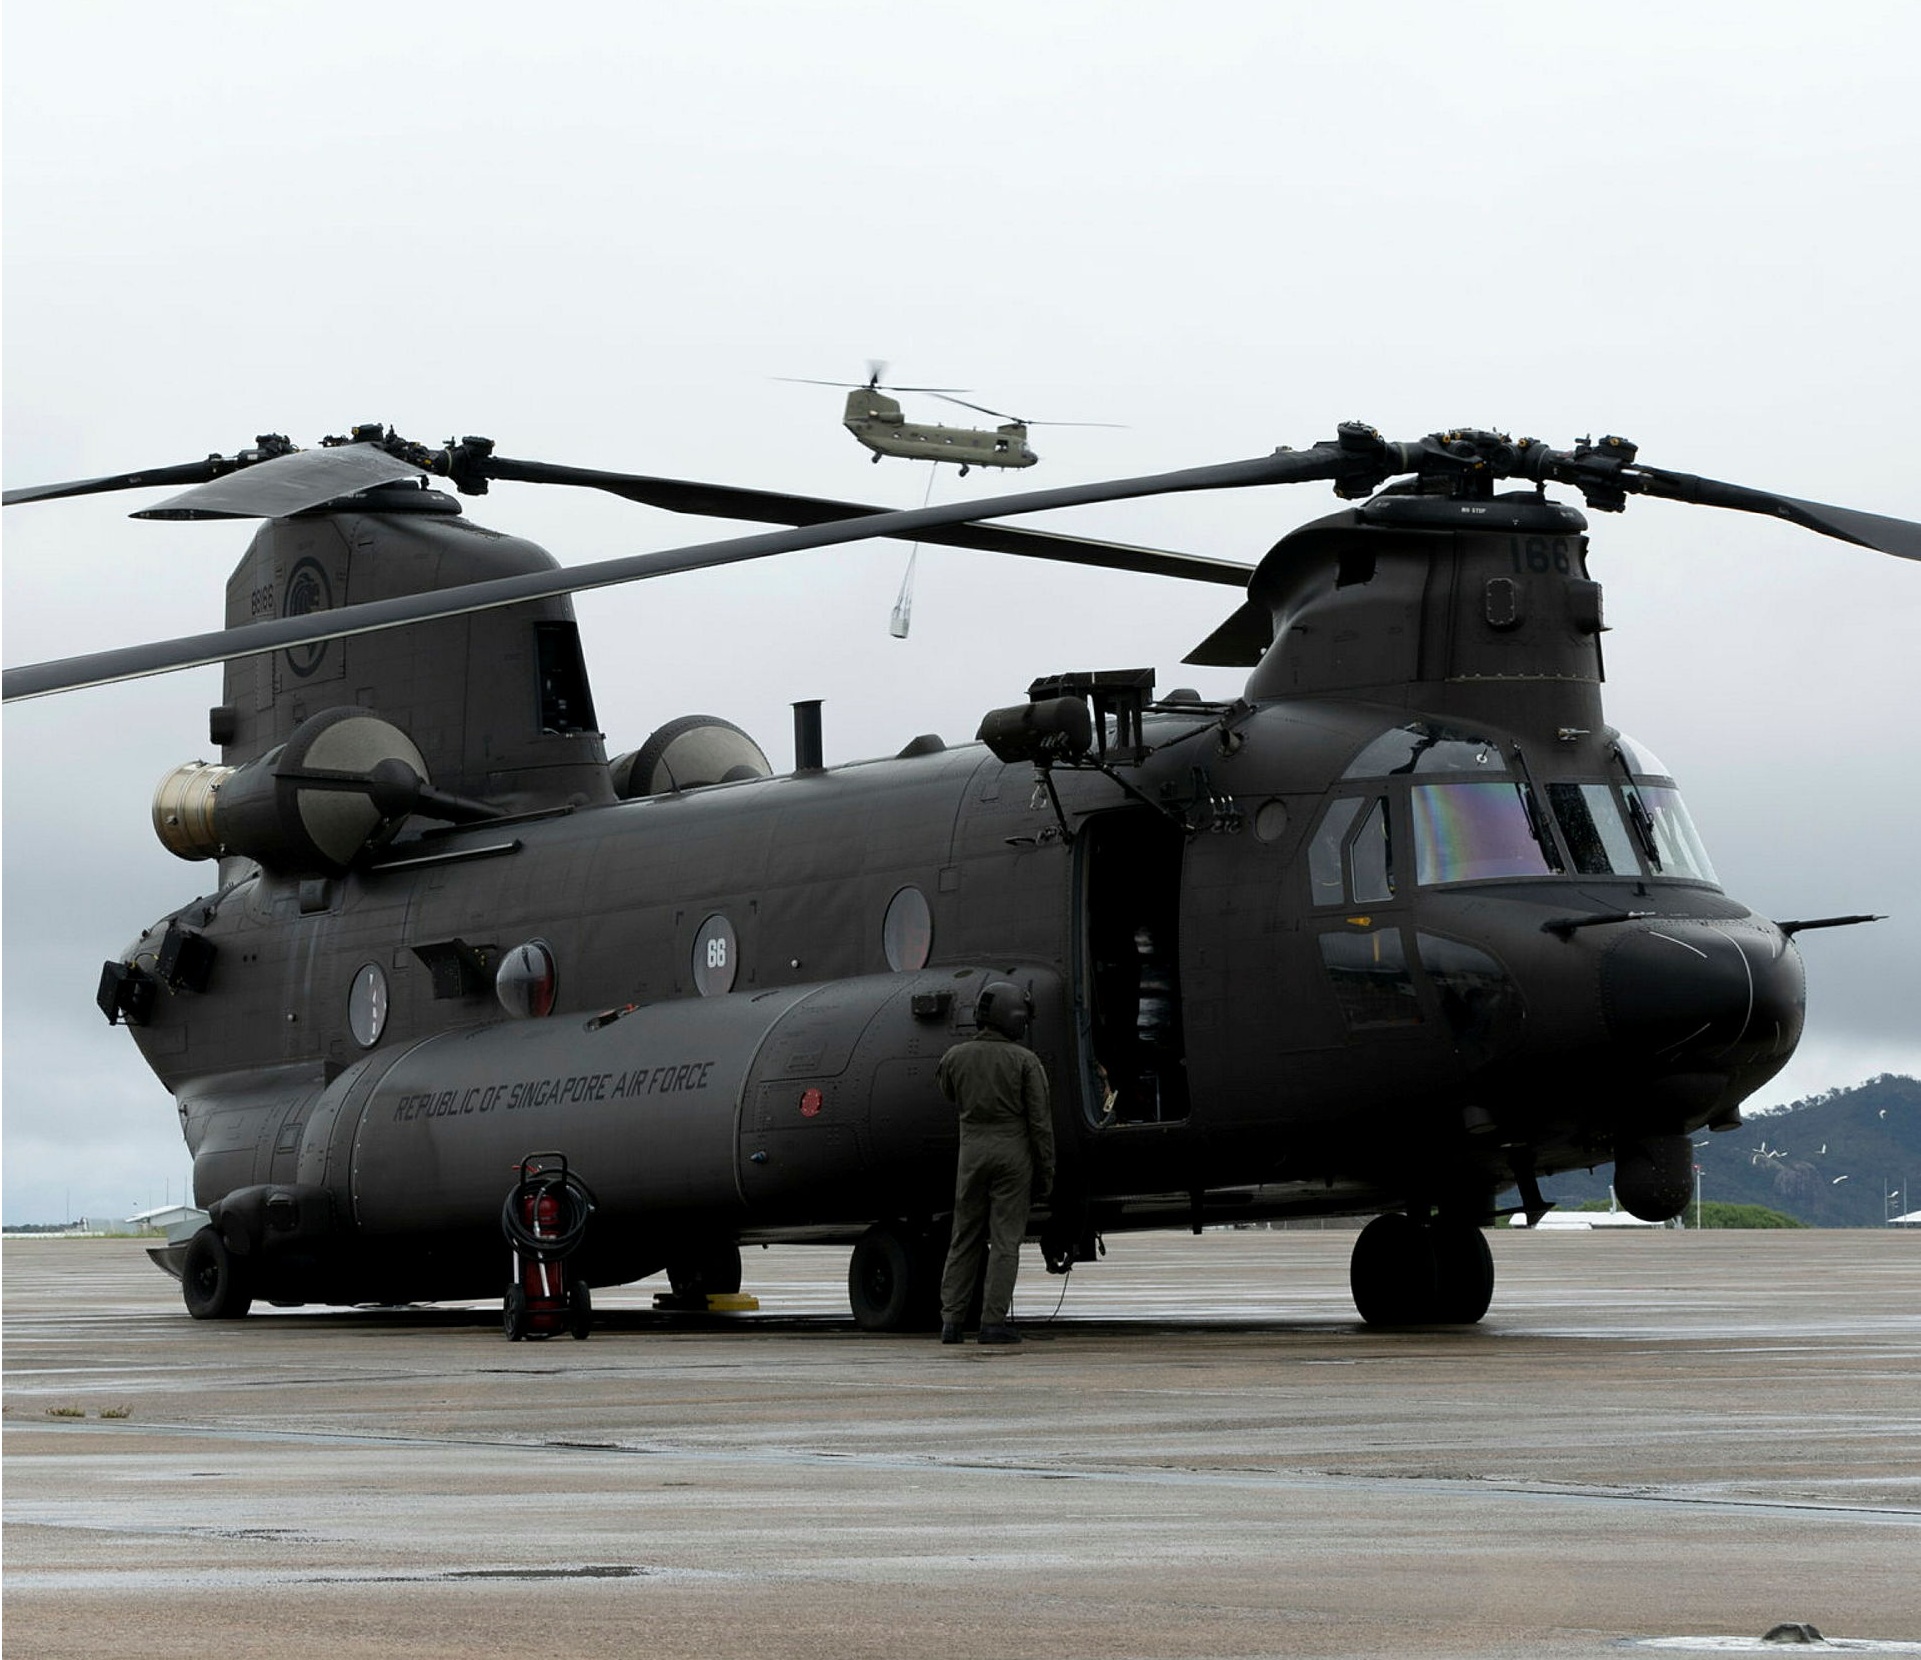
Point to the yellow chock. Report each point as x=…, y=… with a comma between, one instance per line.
x=717, y=1302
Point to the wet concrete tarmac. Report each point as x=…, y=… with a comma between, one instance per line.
x=1653, y=1438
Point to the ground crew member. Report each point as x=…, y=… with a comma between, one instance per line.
x=1006, y=1159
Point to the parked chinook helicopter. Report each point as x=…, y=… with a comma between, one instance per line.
x=876, y=421
x=1404, y=927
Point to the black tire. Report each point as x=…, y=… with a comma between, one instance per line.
x=708, y=1268
x=216, y=1284
x=580, y=1310
x=1464, y=1273
x=880, y=1279
x=513, y=1314
x=893, y=1279
x=1393, y=1272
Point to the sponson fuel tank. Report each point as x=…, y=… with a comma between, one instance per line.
x=795, y=1101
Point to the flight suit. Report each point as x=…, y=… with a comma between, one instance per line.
x=1006, y=1155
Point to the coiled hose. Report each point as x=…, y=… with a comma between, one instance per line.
x=574, y=1205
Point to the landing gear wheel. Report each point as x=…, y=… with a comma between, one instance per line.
x=216, y=1284
x=893, y=1281
x=709, y=1268
x=1394, y=1274
x=580, y=1310
x=513, y=1314
x=1464, y=1273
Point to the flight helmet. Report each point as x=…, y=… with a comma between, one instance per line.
x=1002, y=1007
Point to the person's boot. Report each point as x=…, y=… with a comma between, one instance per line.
x=950, y=1332
x=999, y=1334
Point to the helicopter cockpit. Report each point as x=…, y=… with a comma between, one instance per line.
x=1473, y=813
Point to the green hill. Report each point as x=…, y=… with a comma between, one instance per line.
x=1848, y=1159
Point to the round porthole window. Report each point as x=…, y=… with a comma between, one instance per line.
x=1270, y=822
x=367, y=1005
x=526, y=981
x=907, y=931
x=716, y=956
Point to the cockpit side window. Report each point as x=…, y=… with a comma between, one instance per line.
x=1324, y=852
x=1371, y=858
x=1351, y=858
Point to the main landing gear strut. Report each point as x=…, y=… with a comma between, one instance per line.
x=1427, y=1271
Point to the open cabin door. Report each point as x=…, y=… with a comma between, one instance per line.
x=1129, y=980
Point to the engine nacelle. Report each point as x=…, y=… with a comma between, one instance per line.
x=686, y=753
x=309, y=808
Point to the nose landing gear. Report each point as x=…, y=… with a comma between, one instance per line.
x=1425, y=1272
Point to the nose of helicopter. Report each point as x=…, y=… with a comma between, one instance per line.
x=1687, y=993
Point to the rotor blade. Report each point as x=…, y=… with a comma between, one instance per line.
x=1899, y=537
x=1326, y=460
x=872, y=386
x=727, y=501
x=1002, y=415
x=187, y=472
x=948, y=397
x=288, y=484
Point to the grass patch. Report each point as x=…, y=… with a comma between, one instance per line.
x=66, y=1412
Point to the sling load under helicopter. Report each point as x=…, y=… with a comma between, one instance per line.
x=1400, y=930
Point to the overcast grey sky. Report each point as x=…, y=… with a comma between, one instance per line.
x=595, y=235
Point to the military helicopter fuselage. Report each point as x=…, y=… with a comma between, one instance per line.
x=876, y=420
x=1403, y=929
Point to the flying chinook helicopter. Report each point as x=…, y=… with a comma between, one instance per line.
x=1404, y=927
x=876, y=421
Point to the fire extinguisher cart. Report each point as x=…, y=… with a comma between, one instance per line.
x=545, y=1218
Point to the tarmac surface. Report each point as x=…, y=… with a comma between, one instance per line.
x=1657, y=1442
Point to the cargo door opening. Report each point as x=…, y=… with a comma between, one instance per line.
x=1130, y=971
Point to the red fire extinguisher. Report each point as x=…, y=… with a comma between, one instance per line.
x=544, y=1218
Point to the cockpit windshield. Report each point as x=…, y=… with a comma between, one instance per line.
x=1660, y=818
x=1472, y=831
x=1677, y=845
x=1597, y=836
x=1477, y=813
x=1639, y=760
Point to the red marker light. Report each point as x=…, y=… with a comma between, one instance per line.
x=810, y=1104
